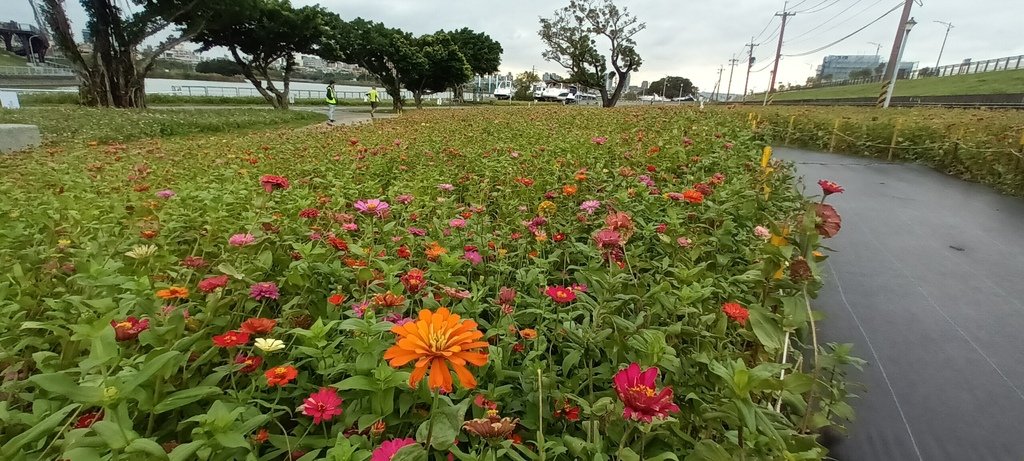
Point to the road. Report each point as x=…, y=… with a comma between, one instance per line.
x=927, y=281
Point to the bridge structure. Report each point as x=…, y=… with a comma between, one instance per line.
x=33, y=41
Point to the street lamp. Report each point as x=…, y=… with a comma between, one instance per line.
x=899, y=58
x=948, y=25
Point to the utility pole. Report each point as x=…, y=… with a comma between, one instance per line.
x=878, y=48
x=948, y=25
x=894, y=56
x=732, y=67
x=778, y=50
x=718, y=84
x=750, y=64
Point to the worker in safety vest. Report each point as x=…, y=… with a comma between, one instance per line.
x=332, y=100
x=374, y=99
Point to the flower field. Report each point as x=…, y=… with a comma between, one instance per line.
x=505, y=283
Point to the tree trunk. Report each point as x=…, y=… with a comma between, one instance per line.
x=396, y=97
x=619, y=85
x=417, y=97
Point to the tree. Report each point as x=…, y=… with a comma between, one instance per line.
x=482, y=53
x=222, y=66
x=676, y=87
x=524, y=86
x=114, y=75
x=439, y=66
x=384, y=52
x=862, y=73
x=570, y=40
x=261, y=34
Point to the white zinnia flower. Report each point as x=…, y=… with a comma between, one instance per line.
x=141, y=251
x=269, y=344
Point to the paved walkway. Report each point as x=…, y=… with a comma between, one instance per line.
x=928, y=283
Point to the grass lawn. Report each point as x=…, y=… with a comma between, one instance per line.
x=1002, y=82
x=10, y=59
x=75, y=124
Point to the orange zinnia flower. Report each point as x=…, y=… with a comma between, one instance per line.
x=569, y=190
x=173, y=293
x=280, y=376
x=388, y=299
x=434, y=251
x=435, y=341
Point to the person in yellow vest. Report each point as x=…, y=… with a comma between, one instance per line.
x=332, y=100
x=374, y=99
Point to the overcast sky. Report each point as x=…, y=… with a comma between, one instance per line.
x=692, y=38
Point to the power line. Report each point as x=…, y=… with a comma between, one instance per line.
x=813, y=9
x=822, y=24
x=772, y=36
x=770, y=21
x=848, y=36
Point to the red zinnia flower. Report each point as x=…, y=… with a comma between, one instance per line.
x=565, y=410
x=258, y=325
x=829, y=187
x=129, y=328
x=193, y=262
x=482, y=402
x=261, y=436
x=693, y=196
x=829, y=220
x=231, y=339
x=309, y=213
x=337, y=243
x=558, y=237
x=322, y=405
x=271, y=182
x=280, y=376
x=209, y=284
x=560, y=294
x=250, y=362
x=736, y=312
x=403, y=252
x=336, y=299
x=636, y=389
x=88, y=419
x=413, y=281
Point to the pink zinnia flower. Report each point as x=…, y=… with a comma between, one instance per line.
x=209, y=284
x=582, y=288
x=387, y=450
x=473, y=256
x=417, y=231
x=684, y=242
x=404, y=199
x=560, y=294
x=350, y=227
x=446, y=187
x=829, y=187
x=457, y=222
x=193, y=262
x=263, y=290
x=687, y=142
x=372, y=206
x=599, y=140
x=637, y=389
x=166, y=193
x=590, y=206
x=241, y=240
x=608, y=238
x=271, y=182
x=322, y=405
x=360, y=308
x=762, y=232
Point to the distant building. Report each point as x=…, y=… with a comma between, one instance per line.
x=550, y=76
x=86, y=36
x=839, y=67
x=182, y=54
x=313, y=62
x=644, y=85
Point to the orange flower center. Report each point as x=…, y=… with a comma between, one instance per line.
x=437, y=340
x=124, y=325
x=280, y=371
x=641, y=389
x=371, y=206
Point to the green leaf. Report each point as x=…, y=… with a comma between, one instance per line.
x=185, y=397
x=266, y=259
x=231, y=440
x=448, y=421
x=707, y=450
x=152, y=366
x=767, y=330
x=411, y=453
x=147, y=446
x=112, y=434
x=40, y=430
x=62, y=384
x=627, y=454
x=364, y=383
x=228, y=269
x=186, y=451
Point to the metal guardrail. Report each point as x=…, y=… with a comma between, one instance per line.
x=30, y=70
x=966, y=67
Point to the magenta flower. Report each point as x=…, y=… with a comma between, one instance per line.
x=599, y=140
x=417, y=231
x=387, y=450
x=372, y=206
x=608, y=238
x=263, y=290
x=637, y=389
x=590, y=206
x=166, y=193
x=241, y=240
x=457, y=223
x=404, y=199
x=322, y=405
x=360, y=308
x=473, y=257
x=446, y=187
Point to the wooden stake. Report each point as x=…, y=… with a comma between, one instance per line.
x=789, y=130
x=895, y=134
x=835, y=132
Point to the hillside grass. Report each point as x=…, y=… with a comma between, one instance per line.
x=10, y=59
x=1000, y=82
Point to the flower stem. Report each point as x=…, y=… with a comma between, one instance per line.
x=541, y=451
x=430, y=423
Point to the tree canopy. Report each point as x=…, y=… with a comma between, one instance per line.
x=482, y=53
x=439, y=65
x=571, y=39
x=262, y=34
x=676, y=87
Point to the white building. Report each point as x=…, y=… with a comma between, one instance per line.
x=180, y=53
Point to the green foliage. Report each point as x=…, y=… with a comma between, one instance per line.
x=1002, y=82
x=676, y=87
x=439, y=65
x=220, y=66
x=482, y=53
x=76, y=214
x=524, y=86
x=570, y=37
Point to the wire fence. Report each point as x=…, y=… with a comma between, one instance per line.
x=32, y=70
x=966, y=67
